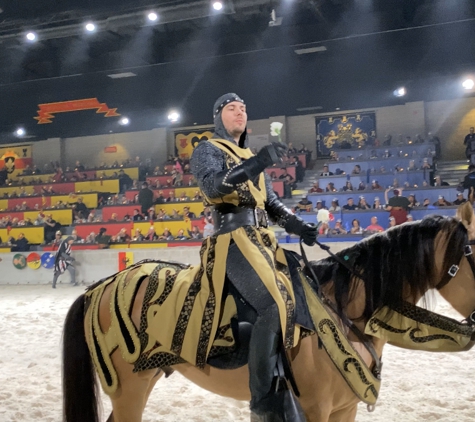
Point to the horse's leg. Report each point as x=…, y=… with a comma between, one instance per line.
x=131, y=397
x=344, y=415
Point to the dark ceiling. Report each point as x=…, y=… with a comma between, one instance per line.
x=193, y=55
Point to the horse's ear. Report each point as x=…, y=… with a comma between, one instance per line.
x=465, y=214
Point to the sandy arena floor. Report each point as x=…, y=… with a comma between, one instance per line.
x=416, y=386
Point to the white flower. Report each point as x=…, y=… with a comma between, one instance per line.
x=323, y=216
x=275, y=128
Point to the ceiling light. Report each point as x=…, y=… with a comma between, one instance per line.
x=20, y=132
x=400, y=92
x=31, y=36
x=122, y=75
x=124, y=121
x=90, y=27
x=217, y=5
x=152, y=16
x=173, y=116
x=309, y=50
x=468, y=84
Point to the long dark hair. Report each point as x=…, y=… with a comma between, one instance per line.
x=391, y=262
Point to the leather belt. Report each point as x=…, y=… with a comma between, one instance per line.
x=228, y=219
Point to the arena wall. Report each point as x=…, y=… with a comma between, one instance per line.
x=92, y=265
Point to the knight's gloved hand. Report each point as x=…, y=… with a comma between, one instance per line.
x=271, y=154
x=307, y=231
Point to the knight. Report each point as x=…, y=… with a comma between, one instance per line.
x=234, y=183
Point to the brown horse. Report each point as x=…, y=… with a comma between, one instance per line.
x=400, y=264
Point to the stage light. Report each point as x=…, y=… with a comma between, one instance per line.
x=152, y=16
x=217, y=5
x=20, y=132
x=124, y=121
x=400, y=92
x=90, y=27
x=173, y=116
x=468, y=84
x=31, y=36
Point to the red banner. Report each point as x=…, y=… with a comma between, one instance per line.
x=46, y=111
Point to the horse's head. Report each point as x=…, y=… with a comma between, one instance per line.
x=458, y=288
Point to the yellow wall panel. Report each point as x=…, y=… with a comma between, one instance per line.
x=35, y=235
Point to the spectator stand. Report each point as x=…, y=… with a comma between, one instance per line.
x=426, y=149
x=374, y=166
x=122, y=210
x=34, y=234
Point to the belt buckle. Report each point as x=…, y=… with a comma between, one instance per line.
x=256, y=218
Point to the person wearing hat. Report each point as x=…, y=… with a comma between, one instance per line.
x=63, y=261
x=397, y=206
x=460, y=199
x=362, y=204
x=338, y=229
x=441, y=202
x=233, y=181
x=392, y=222
x=335, y=206
x=57, y=238
x=377, y=204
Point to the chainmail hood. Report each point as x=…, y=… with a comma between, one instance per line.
x=220, y=131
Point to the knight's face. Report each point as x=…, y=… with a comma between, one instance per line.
x=234, y=118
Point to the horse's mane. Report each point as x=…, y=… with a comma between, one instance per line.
x=395, y=263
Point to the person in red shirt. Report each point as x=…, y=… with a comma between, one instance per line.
x=374, y=227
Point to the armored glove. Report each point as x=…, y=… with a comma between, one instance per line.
x=226, y=181
x=307, y=231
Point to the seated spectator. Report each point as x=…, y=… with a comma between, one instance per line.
x=122, y=236
x=197, y=196
x=21, y=244
x=316, y=188
x=75, y=236
x=187, y=213
x=57, y=239
x=138, y=236
x=356, y=169
x=412, y=166
x=137, y=216
x=319, y=206
x=79, y=166
x=171, y=197
x=410, y=217
x=91, y=238
x=325, y=171
x=374, y=227
x=195, y=233
x=362, y=204
x=348, y=187
x=439, y=182
x=356, y=227
x=460, y=199
x=350, y=205
x=392, y=222
x=330, y=187
x=166, y=235
x=335, y=206
x=91, y=217
x=377, y=204
x=206, y=212
x=151, y=215
x=162, y=215
x=157, y=171
x=273, y=176
x=113, y=218
x=151, y=234
x=184, y=197
x=305, y=204
x=338, y=229
x=176, y=215
x=160, y=199
x=361, y=186
x=208, y=228
x=413, y=201
x=81, y=207
x=442, y=202
x=181, y=235
x=40, y=220
x=291, y=149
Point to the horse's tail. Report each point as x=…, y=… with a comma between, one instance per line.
x=80, y=389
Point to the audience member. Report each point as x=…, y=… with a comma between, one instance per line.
x=50, y=228
x=195, y=233
x=166, y=235
x=439, y=182
x=441, y=202
x=460, y=199
x=374, y=227
x=325, y=171
x=392, y=222
x=208, y=229
x=348, y=187
x=356, y=227
x=397, y=206
x=319, y=206
x=187, y=213
x=356, y=169
x=338, y=229
x=467, y=142
x=21, y=244
x=377, y=204
x=335, y=206
x=330, y=187
x=75, y=236
x=125, y=181
x=145, y=197
x=137, y=216
x=181, y=235
x=138, y=236
x=324, y=229
x=305, y=204
x=469, y=179
x=362, y=204
x=350, y=205
x=413, y=201
x=316, y=188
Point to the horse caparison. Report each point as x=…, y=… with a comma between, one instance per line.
x=400, y=264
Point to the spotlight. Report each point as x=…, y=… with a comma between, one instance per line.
x=217, y=5
x=468, y=84
x=152, y=16
x=173, y=116
x=400, y=92
x=20, y=132
x=124, y=121
x=90, y=27
x=31, y=36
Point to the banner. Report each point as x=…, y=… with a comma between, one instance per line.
x=185, y=142
x=345, y=132
x=15, y=158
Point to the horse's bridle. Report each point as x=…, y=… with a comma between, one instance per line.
x=453, y=270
